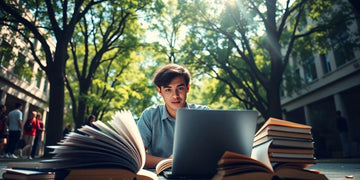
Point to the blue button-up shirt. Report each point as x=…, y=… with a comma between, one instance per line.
x=156, y=127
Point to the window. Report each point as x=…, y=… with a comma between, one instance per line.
x=342, y=47
x=38, y=78
x=297, y=78
x=309, y=69
x=6, y=54
x=19, y=65
x=23, y=69
x=45, y=86
x=325, y=63
x=28, y=71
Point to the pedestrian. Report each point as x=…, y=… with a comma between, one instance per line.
x=90, y=120
x=29, y=135
x=15, y=125
x=38, y=135
x=156, y=124
x=4, y=131
x=67, y=129
x=342, y=128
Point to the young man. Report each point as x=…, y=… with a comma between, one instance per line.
x=342, y=128
x=156, y=124
x=15, y=126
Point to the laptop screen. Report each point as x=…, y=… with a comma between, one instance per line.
x=202, y=136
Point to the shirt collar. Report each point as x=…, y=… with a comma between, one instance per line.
x=165, y=115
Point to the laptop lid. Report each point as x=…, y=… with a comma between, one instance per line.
x=202, y=136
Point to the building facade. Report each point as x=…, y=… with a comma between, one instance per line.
x=21, y=79
x=332, y=83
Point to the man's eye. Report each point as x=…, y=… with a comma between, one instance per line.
x=167, y=90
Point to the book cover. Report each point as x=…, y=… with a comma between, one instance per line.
x=291, y=134
x=26, y=174
x=283, y=125
x=286, y=142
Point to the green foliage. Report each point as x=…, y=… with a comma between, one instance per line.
x=23, y=69
x=245, y=46
x=6, y=54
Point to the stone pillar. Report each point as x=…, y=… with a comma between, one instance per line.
x=307, y=115
x=3, y=97
x=26, y=111
x=339, y=105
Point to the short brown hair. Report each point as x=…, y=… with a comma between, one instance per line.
x=167, y=73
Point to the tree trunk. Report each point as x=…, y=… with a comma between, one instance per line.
x=55, y=72
x=273, y=96
x=54, y=124
x=80, y=114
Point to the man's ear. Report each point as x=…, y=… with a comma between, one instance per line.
x=158, y=90
x=188, y=88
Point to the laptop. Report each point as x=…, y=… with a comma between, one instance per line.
x=202, y=136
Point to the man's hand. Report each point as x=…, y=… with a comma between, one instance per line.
x=151, y=161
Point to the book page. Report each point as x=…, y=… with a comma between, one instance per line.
x=163, y=165
x=121, y=140
x=238, y=169
x=231, y=160
x=83, y=150
x=118, y=144
x=111, y=141
x=260, y=153
x=144, y=174
x=96, y=140
x=295, y=173
x=125, y=122
x=25, y=171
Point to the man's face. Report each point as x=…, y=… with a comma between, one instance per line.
x=174, y=95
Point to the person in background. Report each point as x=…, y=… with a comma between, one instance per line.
x=15, y=126
x=90, y=120
x=342, y=128
x=157, y=123
x=3, y=129
x=38, y=134
x=67, y=129
x=29, y=135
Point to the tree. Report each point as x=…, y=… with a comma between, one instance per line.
x=104, y=37
x=169, y=20
x=247, y=44
x=45, y=19
x=61, y=24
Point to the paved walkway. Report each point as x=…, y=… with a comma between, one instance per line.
x=334, y=169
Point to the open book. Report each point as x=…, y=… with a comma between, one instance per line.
x=109, y=151
x=238, y=166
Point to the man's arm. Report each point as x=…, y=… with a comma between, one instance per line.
x=21, y=128
x=20, y=124
x=152, y=161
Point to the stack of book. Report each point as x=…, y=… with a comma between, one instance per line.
x=290, y=141
x=282, y=150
